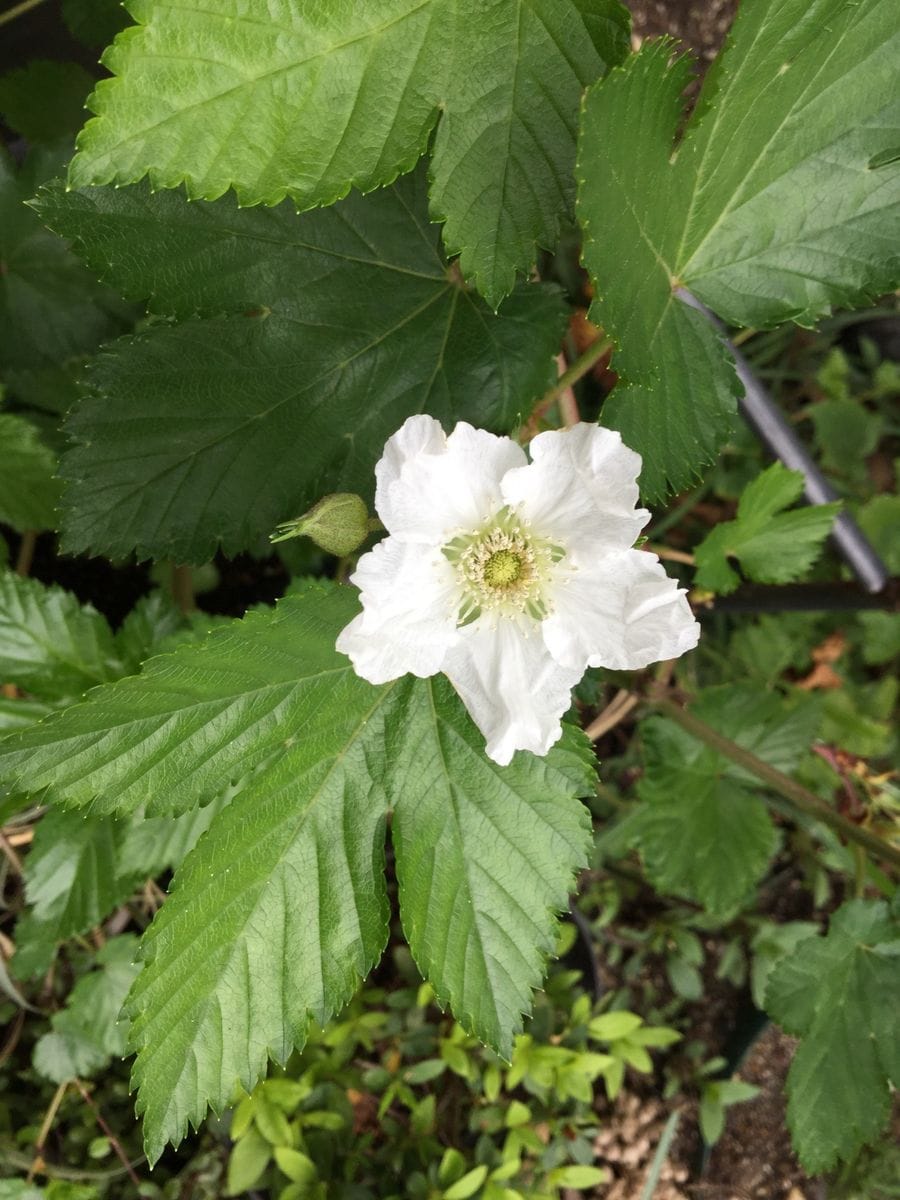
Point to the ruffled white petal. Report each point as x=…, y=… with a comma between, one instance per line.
x=580, y=490
x=622, y=612
x=430, y=487
x=512, y=688
x=410, y=600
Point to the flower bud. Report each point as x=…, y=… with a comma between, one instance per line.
x=338, y=524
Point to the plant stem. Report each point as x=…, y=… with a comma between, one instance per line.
x=25, y=556
x=579, y=367
x=46, y=1125
x=182, y=584
x=798, y=796
x=18, y=10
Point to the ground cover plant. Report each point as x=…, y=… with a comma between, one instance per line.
x=386, y=558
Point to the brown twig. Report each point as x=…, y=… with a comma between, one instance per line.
x=18, y=10
x=679, y=556
x=182, y=586
x=14, y=860
x=113, y=1140
x=568, y=405
x=579, y=368
x=796, y=795
x=615, y=712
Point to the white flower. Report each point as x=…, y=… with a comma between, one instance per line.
x=511, y=577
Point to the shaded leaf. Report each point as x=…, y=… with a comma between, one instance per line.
x=213, y=431
x=29, y=491
x=838, y=993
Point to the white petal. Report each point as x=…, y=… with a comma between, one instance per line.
x=621, y=612
x=514, y=691
x=580, y=490
x=431, y=487
x=410, y=601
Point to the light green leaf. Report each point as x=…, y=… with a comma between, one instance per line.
x=71, y=885
x=485, y=859
x=349, y=98
x=198, y=718
x=774, y=206
x=838, y=993
x=51, y=645
x=51, y=307
x=249, y=947
x=247, y=1161
x=215, y=430
x=468, y=1185
x=44, y=100
x=90, y=1031
x=29, y=493
x=702, y=829
x=771, y=545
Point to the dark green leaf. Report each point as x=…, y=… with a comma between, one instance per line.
x=349, y=99
x=44, y=101
x=215, y=430
x=29, y=491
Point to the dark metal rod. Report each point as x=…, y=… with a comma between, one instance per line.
x=768, y=423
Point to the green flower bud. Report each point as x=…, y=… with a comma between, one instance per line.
x=338, y=524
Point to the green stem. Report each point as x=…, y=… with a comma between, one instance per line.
x=579, y=367
x=18, y=10
x=182, y=585
x=797, y=795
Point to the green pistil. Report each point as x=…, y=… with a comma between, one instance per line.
x=502, y=569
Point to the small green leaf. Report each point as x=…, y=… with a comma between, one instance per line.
x=44, y=101
x=29, y=491
x=838, y=993
x=50, y=644
x=298, y=1167
x=90, y=1031
x=577, y=1177
x=771, y=545
x=468, y=1185
x=611, y=1026
x=247, y=1161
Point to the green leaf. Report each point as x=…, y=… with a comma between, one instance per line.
x=44, y=101
x=215, y=430
x=774, y=207
x=71, y=884
x=702, y=829
x=332, y=754
x=152, y=622
x=51, y=645
x=838, y=993
x=771, y=545
x=198, y=718
x=468, y=1185
x=94, y=22
x=247, y=1161
x=577, y=1177
x=29, y=493
x=89, y=1032
x=485, y=859
x=249, y=947
x=51, y=307
x=349, y=99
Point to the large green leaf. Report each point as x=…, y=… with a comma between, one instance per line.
x=51, y=307
x=44, y=101
x=214, y=430
x=349, y=96
x=51, y=645
x=839, y=994
x=253, y=944
x=199, y=718
x=775, y=206
x=701, y=827
x=485, y=858
x=29, y=491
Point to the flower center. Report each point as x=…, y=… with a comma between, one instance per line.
x=502, y=568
